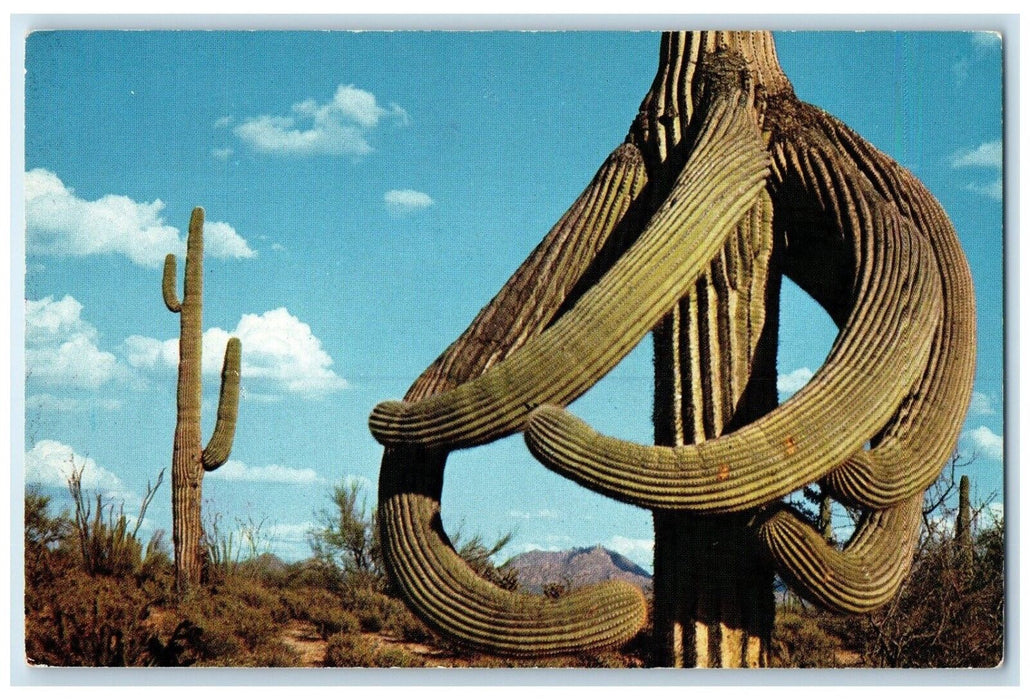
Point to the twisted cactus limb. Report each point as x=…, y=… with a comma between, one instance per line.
x=718, y=185
x=859, y=578
x=419, y=558
x=896, y=312
x=735, y=182
x=189, y=461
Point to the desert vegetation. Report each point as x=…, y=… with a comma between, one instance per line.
x=948, y=613
x=97, y=595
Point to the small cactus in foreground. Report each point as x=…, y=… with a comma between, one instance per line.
x=189, y=461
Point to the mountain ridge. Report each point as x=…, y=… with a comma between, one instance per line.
x=575, y=567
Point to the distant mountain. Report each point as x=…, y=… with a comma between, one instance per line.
x=576, y=567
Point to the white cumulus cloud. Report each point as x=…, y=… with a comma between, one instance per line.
x=61, y=348
x=279, y=350
x=791, y=383
x=994, y=189
x=638, y=550
x=288, y=540
x=60, y=223
x=48, y=403
x=234, y=470
x=987, y=156
x=546, y=514
x=339, y=127
x=401, y=202
x=50, y=463
x=982, y=404
x=986, y=442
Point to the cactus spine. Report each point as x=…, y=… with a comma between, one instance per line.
x=189, y=461
x=741, y=183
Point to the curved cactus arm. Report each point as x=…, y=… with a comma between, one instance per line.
x=168, y=285
x=918, y=442
x=418, y=556
x=858, y=579
x=220, y=444
x=449, y=596
x=892, y=324
x=723, y=176
x=599, y=225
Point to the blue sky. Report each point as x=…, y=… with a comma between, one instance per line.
x=366, y=195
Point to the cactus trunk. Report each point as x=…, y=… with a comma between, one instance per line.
x=715, y=369
x=189, y=460
x=713, y=596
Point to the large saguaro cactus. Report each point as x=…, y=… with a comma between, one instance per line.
x=726, y=182
x=189, y=461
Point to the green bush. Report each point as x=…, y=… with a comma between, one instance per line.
x=321, y=608
x=800, y=642
x=48, y=553
x=374, y=609
x=402, y=624
x=237, y=624
x=106, y=544
x=352, y=650
x=88, y=621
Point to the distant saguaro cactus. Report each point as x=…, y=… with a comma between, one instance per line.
x=725, y=183
x=964, y=526
x=189, y=461
x=963, y=522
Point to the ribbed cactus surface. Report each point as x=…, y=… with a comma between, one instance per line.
x=189, y=460
x=726, y=183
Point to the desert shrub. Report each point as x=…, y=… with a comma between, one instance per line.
x=403, y=624
x=347, y=649
x=800, y=642
x=330, y=621
x=371, y=619
x=230, y=625
x=948, y=614
x=347, y=541
x=371, y=607
x=273, y=655
x=266, y=568
x=310, y=574
x=556, y=590
x=326, y=611
x=238, y=550
x=295, y=601
x=255, y=596
x=479, y=556
x=352, y=650
x=157, y=564
x=47, y=550
x=106, y=544
x=83, y=620
x=347, y=548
